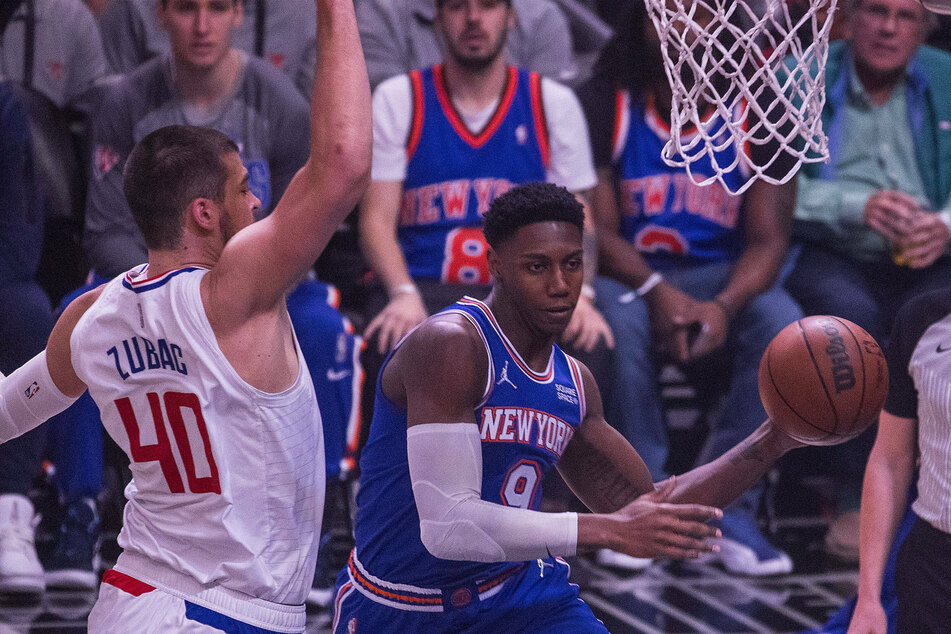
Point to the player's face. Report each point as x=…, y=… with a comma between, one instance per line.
x=474, y=30
x=541, y=270
x=200, y=30
x=885, y=34
x=240, y=205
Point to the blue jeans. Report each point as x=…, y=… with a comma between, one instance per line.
x=636, y=407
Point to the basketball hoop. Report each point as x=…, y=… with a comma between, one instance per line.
x=759, y=68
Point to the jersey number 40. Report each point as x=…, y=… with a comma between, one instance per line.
x=177, y=404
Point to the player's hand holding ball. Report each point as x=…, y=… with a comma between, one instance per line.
x=823, y=380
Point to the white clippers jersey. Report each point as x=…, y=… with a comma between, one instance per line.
x=228, y=481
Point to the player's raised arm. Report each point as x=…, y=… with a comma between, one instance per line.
x=264, y=260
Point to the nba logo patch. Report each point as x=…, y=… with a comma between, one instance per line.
x=55, y=69
x=31, y=391
x=521, y=134
x=104, y=159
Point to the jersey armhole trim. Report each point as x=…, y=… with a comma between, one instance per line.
x=538, y=114
x=579, y=385
x=419, y=111
x=622, y=123
x=490, y=375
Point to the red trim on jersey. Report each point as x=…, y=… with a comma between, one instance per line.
x=538, y=114
x=342, y=594
x=419, y=110
x=619, y=113
x=542, y=378
x=127, y=584
x=579, y=384
x=479, y=139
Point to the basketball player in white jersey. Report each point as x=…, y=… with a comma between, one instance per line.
x=195, y=366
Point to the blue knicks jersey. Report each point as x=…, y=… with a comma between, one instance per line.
x=526, y=420
x=452, y=174
x=670, y=219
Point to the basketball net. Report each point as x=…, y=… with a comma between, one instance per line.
x=747, y=74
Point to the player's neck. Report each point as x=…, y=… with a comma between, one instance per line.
x=191, y=253
x=472, y=89
x=206, y=87
x=532, y=346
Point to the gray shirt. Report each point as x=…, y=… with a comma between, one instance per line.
x=67, y=54
x=399, y=36
x=264, y=115
x=132, y=35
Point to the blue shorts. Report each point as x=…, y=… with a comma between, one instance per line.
x=539, y=598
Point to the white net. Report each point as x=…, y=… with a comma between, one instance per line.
x=746, y=74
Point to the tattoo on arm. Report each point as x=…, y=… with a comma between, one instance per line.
x=749, y=450
x=603, y=479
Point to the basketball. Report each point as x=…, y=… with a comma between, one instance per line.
x=823, y=380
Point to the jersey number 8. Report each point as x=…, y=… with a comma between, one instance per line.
x=464, y=261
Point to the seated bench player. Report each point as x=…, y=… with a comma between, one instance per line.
x=473, y=409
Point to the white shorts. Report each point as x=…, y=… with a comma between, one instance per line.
x=138, y=607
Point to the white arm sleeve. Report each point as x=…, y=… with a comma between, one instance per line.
x=29, y=397
x=445, y=467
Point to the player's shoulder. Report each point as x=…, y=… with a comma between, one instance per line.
x=450, y=332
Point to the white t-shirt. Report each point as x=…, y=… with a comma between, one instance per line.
x=571, y=165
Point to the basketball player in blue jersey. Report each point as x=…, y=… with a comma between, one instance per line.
x=195, y=366
x=473, y=409
x=687, y=271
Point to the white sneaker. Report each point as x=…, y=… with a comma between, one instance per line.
x=20, y=569
x=614, y=559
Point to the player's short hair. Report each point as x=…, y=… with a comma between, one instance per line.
x=528, y=204
x=167, y=170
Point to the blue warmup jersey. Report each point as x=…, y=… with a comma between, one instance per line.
x=453, y=174
x=526, y=421
x=670, y=219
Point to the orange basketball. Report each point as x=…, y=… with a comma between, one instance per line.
x=823, y=380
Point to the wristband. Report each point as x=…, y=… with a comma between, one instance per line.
x=649, y=284
x=404, y=289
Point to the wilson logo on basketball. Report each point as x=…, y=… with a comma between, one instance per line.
x=843, y=374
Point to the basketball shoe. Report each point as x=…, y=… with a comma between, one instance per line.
x=20, y=569
x=744, y=550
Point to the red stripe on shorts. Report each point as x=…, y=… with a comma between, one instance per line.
x=126, y=583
